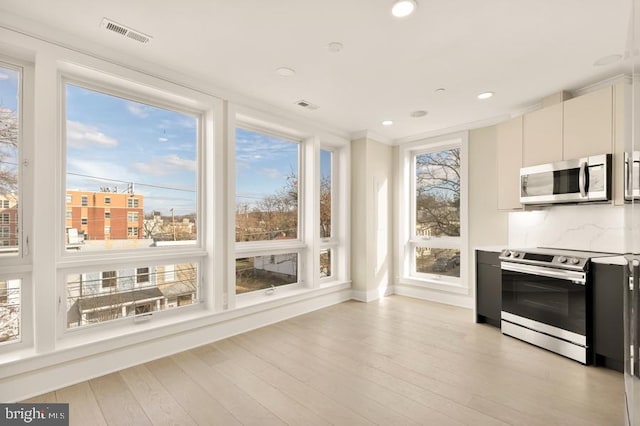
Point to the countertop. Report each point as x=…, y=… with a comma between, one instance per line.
x=494, y=249
x=610, y=260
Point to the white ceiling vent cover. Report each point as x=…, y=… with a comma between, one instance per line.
x=110, y=25
x=307, y=104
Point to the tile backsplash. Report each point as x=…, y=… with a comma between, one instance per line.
x=577, y=227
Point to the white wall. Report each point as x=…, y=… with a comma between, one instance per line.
x=371, y=218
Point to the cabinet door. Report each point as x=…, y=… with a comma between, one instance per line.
x=509, y=147
x=488, y=288
x=608, y=311
x=542, y=140
x=588, y=124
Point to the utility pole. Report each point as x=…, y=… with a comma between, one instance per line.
x=173, y=224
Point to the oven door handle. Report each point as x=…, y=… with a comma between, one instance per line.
x=573, y=276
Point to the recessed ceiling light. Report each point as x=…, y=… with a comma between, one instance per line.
x=335, y=47
x=285, y=72
x=419, y=113
x=387, y=123
x=440, y=90
x=607, y=60
x=403, y=8
x=485, y=95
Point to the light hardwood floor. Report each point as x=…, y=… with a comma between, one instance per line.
x=399, y=361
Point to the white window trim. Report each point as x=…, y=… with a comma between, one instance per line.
x=330, y=243
x=200, y=106
x=406, y=241
x=143, y=88
x=308, y=243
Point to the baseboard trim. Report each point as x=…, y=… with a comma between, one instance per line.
x=463, y=301
x=371, y=295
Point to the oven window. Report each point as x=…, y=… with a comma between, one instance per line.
x=556, y=302
x=545, y=298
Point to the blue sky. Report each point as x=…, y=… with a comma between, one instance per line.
x=9, y=83
x=112, y=141
x=263, y=163
x=8, y=88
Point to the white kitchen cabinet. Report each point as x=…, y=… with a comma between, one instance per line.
x=509, y=147
x=542, y=136
x=588, y=124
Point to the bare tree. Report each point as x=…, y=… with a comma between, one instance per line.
x=9, y=130
x=438, y=193
x=325, y=207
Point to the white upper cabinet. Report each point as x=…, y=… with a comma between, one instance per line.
x=588, y=124
x=509, y=147
x=542, y=136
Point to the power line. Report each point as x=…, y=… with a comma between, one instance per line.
x=128, y=182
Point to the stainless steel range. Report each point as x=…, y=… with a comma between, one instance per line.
x=546, y=299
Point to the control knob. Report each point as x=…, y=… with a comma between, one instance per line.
x=574, y=260
x=562, y=259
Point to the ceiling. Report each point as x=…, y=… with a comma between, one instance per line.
x=388, y=68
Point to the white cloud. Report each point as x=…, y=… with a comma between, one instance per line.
x=80, y=135
x=163, y=166
x=272, y=173
x=163, y=139
x=139, y=110
x=4, y=76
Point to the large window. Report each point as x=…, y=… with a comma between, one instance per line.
x=133, y=181
x=268, y=200
x=437, y=212
x=123, y=154
x=434, y=213
x=326, y=212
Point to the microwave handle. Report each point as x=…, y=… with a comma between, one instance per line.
x=582, y=179
x=627, y=176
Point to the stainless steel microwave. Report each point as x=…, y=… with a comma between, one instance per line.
x=572, y=181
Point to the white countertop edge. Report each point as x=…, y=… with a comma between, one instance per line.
x=495, y=249
x=610, y=260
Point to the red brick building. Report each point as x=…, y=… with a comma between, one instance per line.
x=9, y=234
x=105, y=215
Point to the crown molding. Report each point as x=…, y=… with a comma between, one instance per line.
x=369, y=134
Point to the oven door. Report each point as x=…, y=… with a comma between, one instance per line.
x=550, y=297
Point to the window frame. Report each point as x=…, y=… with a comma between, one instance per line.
x=330, y=243
x=104, y=84
x=130, y=85
x=19, y=266
x=272, y=247
x=307, y=246
x=408, y=241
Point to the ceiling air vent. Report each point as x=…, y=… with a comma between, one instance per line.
x=307, y=105
x=110, y=25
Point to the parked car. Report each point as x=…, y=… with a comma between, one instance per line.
x=443, y=264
